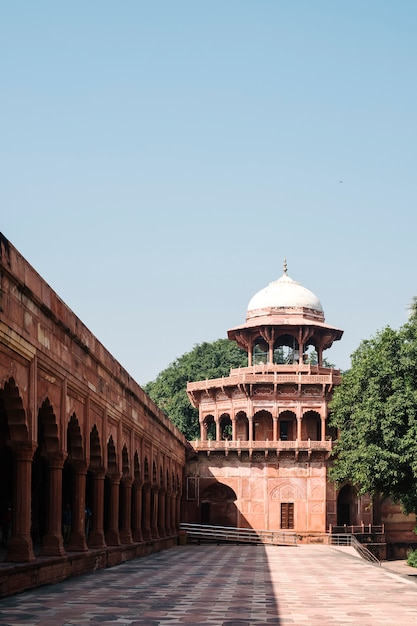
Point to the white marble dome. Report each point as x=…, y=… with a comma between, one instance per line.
x=284, y=293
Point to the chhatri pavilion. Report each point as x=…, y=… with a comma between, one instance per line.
x=265, y=443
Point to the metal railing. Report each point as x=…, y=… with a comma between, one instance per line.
x=238, y=535
x=358, y=529
x=351, y=541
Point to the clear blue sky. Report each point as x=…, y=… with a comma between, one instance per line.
x=159, y=159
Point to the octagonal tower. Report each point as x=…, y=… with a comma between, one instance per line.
x=262, y=456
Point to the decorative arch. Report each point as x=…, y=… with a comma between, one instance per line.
x=286, y=349
x=15, y=413
x=96, y=458
x=210, y=427
x=218, y=505
x=48, y=437
x=311, y=426
x=263, y=426
x=111, y=456
x=74, y=440
x=125, y=461
x=287, y=426
x=260, y=351
x=242, y=426
x=347, y=506
x=225, y=426
x=136, y=466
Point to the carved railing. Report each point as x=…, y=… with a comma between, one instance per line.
x=262, y=445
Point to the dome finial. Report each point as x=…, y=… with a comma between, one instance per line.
x=285, y=265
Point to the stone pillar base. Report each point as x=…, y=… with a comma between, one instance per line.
x=20, y=550
x=53, y=545
x=96, y=539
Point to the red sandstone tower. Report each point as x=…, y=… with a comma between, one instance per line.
x=261, y=460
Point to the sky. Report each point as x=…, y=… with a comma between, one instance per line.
x=159, y=160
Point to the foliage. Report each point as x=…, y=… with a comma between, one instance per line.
x=412, y=558
x=205, y=360
x=375, y=410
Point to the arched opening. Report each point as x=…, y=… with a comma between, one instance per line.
x=225, y=426
x=286, y=350
x=48, y=444
x=210, y=427
x=263, y=426
x=287, y=426
x=347, y=506
x=218, y=505
x=260, y=351
x=310, y=354
x=242, y=426
x=6, y=486
x=311, y=426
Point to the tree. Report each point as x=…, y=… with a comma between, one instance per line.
x=375, y=410
x=205, y=360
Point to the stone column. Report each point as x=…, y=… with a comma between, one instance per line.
x=146, y=513
x=203, y=431
x=161, y=512
x=234, y=434
x=218, y=433
x=112, y=534
x=275, y=429
x=137, y=511
x=173, y=508
x=168, y=531
x=77, y=541
x=154, y=513
x=52, y=542
x=126, y=512
x=20, y=547
x=250, y=421
x=299, y=422
x=323, y=428
x=96, y=538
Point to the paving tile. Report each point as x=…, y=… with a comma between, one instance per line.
x=226, y=586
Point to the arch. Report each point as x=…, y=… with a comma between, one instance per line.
x=210, y=427
x=260, y=351
x=311, y=426
x=48, y=444
x=96, y=460
x=225, y=426
x=16, y=416
x=136, y=466
x=287, y=426
x=347, y=506
x=286, y=349
x=74, y=440
x=111, y=456
x=125, y=461
x=6, y=469
x=48, y=438
x=146, y=474
x=262, y=426
x=242, y=426
x=218, y=505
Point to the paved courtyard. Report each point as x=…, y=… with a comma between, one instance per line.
x=225, y=586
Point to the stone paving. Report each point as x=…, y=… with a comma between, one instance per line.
x=225, y=586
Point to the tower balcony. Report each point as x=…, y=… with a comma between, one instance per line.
x=295, y=446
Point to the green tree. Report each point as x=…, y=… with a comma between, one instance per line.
x=205, y=360
x=375, y=410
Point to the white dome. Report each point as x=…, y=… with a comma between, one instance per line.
x=285, y=293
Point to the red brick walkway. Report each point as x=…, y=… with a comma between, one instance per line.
x=225, y=586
